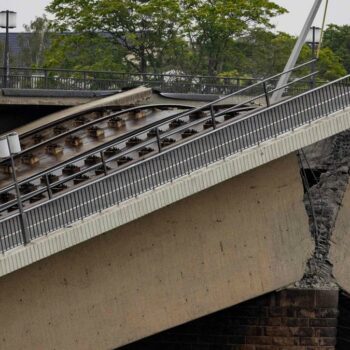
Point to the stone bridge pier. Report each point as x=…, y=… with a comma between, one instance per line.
x=292, y=319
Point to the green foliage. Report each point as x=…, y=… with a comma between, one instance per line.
x=33, y=46
x=153, y=31
x=329, y=65
x=229, y=38
x=212, y=25
x=262, y=53
x=145, y=28
x=84, y=52
x=337, y=38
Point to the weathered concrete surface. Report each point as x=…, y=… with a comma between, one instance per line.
x=234, y=241
x=328, y=163
x=45, y=101
x=64, y=98
x=340, y=247
x=237, y=99
x=126, y=98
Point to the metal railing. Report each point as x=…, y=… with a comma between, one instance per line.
x=175, y=162
x=260, y=90
x=63, y=79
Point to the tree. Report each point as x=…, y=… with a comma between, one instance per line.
x=87, y=51
x=211, y=25
x=330, y=66
x=33, y=46
x=146, y=29
x=337, y=38
x=263, y=53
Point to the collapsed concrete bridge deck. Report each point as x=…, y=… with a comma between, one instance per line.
x=231, y=230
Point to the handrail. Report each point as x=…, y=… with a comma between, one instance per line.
x=143, y=130
x=97, y=149
x=191, y=154
x=192, y=111
x=129, y=74
x=198, y=109
x=88, y=80
x=230, y=123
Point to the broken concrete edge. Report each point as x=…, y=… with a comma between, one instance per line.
x=328, y=164
x=175, y=191
x=57, y=93
x=339, y=255
x=126, y=98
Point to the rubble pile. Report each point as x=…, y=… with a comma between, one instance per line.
x=326, y=175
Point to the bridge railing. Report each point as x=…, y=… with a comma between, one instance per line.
x=63, y=79
x=175, y=162
x=204, y=114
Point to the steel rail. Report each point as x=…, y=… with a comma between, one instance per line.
x=149, y=127
x=205, y=135
x=177, y=161
x=230, y=123
x=185, y=114
x=208, y=104
x=93, y=122
x=98, y=150
x=71, y=131
x=108, y=144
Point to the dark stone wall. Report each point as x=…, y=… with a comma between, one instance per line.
x=343, y=342
x=288, y=320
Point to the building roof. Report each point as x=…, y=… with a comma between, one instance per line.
x=14, y=41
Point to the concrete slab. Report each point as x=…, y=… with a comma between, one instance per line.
x=234, y=241
x=126, y=98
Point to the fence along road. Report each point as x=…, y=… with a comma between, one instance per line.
x=42, y=80
x=175, y=162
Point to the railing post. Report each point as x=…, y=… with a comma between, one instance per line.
x=22, y=214
x=162, y=84
x=46, y=79
x=266, y=94
x=85, y=80
x=48, y=187
x=103, y=162
x=212, y=114
x=158, y=140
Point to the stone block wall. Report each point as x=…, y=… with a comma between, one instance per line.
x=343, y=341
x=288, y=320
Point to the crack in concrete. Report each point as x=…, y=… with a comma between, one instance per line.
x=330, y=159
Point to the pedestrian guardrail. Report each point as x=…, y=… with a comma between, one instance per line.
x=171, y=163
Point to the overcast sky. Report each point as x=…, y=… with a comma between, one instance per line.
x=339, y=12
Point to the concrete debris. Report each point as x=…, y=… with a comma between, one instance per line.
x=331, y=159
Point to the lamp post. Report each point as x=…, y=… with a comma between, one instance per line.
x=313, y=39
x=9, y=146
x=7, y=20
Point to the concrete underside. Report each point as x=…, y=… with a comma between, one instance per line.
x=340, y=248
x=232, y=242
